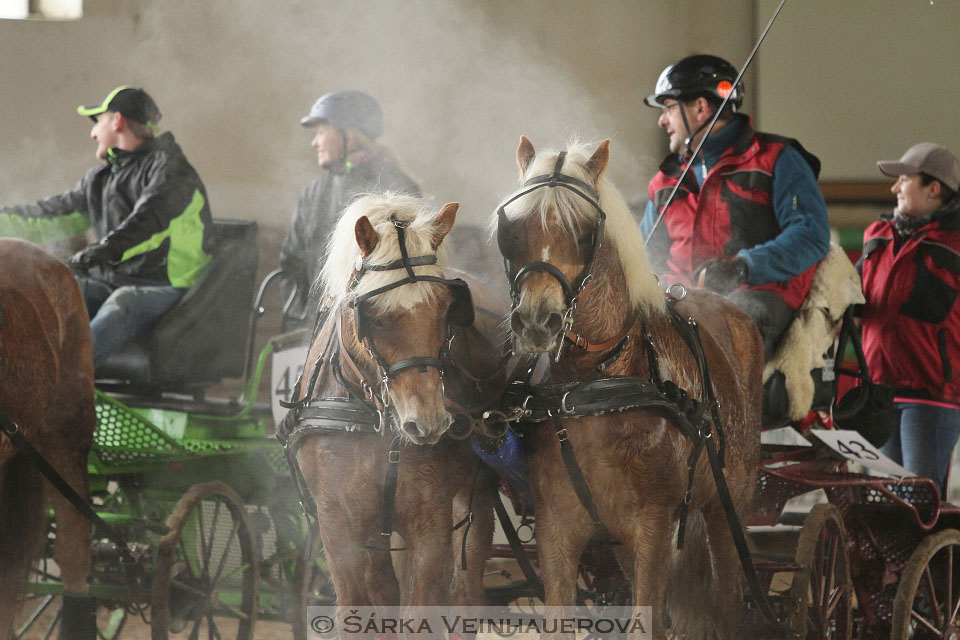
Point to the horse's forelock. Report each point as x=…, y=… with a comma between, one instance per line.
x=343, y=251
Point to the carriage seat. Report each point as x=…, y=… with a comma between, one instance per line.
x=800, y=376
x=203, y=338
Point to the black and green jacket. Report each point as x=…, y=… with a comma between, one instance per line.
x=148, y=205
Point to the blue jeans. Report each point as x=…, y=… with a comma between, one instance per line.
x=923, y=443
x=120, y=314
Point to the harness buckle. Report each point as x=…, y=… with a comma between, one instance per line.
x=562, y=435
x=677, y=291
x=394, y=457
x=563, y=404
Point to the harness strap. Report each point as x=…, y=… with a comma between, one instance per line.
x=418, y=261
x=586, y=398
x=10, y=428
x=690, y=333
x=580, y=483
x=583, y=343
x=389, y=500
x=739, y=539
x=468, y=519
x=533, y=580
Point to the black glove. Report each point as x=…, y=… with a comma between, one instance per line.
x=93, y=256
x=723, y=275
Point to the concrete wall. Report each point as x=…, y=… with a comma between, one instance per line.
x=460, y=81
x=861, y=80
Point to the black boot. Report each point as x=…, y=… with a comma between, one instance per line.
x=78, y=619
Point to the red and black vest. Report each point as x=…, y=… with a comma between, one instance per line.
x=732, y=210
x=911, y=320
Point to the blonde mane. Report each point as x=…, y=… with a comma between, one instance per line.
x=621, y=232
x=336, y=276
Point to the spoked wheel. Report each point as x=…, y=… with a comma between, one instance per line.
x=206, y=584
x=824, y=584
x=928, y=597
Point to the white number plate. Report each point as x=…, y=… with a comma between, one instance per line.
x=285, y=368
x=852, y=446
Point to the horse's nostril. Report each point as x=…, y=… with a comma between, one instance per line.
x=516, y=322
x=412, y=428
x=553, y=322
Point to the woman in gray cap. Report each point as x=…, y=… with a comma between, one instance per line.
x=911, y=319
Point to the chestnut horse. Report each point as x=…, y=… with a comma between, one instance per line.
x=584, y=292
x=46, y=389
x=398, y=335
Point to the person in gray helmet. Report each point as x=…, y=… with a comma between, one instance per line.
x=346, y=125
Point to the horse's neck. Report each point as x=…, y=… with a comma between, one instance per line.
x=603, y=313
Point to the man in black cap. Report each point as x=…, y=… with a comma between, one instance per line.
x=148, y=210
x=346, y=123
x=749, y=221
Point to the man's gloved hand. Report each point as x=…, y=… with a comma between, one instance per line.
x=723, y=275
x=92, y=256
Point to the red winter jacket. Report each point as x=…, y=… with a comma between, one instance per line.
x=911, y=320
x=732, y=210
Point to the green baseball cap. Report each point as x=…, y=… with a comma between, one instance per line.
x=133, y=104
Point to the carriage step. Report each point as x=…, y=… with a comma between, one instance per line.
x=793, y=518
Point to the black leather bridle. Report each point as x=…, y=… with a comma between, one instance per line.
x=505, y=241
x=460, y=312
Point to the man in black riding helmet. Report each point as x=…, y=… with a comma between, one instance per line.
x=749, y=221
x=346, y=123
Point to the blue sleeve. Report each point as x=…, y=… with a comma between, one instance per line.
x=649, y=217
x=802, y=215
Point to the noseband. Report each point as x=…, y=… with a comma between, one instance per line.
x=571, y=291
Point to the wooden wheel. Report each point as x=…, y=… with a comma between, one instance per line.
x=824, y=584
x=928, y=597
x=206, y=584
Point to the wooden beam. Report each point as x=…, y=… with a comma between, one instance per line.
x=857, y=192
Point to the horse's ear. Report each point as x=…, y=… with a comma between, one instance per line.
x=445, y=220
x=525, y=154
x=367, y=238
x=597, y=163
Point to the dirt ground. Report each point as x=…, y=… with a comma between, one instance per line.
x=134, y=628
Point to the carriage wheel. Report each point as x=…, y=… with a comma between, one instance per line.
x=824, y=584
x=206, y=583
x=928, y=597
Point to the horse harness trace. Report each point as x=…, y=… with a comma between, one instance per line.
x=597, y=395
x=364, y=408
